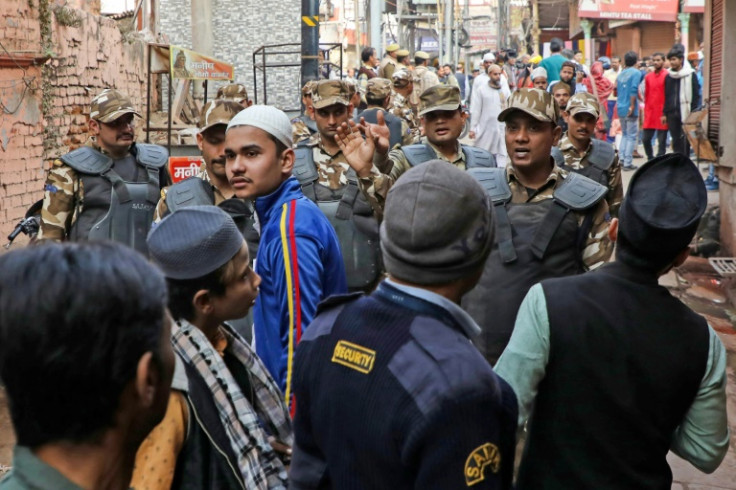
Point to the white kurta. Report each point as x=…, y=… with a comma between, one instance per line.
x=485, y=105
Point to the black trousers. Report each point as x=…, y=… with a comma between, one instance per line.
x=647, y=135
x=679, y=140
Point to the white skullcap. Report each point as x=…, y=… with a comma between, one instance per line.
x=536, y=73
x=489, y=57
x=273, y=121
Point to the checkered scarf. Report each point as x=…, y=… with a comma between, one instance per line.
x=259, y=464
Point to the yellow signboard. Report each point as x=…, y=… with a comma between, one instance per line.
x=191, y=65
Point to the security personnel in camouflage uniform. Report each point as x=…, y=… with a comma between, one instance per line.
x=388, y=63
x=327, y=179
x=107, y=189
x=443, y=120
x=579, y=151
x=378, y=94
x=303, y=126
x=400, y=105
x=235, y=92
x=550, y=223
x=211, y=186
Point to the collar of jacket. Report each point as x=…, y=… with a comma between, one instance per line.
x=287, y=191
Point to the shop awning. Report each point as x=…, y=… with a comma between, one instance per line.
x=656, y=10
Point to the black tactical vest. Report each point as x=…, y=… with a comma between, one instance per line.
x=474, y=157
x=120, y=196
x=533, y=241
x=350, y=215
x=196, y=192
x=393, y=123
x=599, y=160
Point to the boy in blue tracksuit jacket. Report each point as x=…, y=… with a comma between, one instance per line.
x=299, y=258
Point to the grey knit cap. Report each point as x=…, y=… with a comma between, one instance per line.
x=438, y=225
x=271, y=120
x=194, y=241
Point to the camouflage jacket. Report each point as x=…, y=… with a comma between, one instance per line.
x=299, y=130
x=162, y=209
x=401, y=107
x=378, y=183
x=63, y=199
x=332, y=169
x=576, y=160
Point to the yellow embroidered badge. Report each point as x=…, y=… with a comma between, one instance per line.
x=354, y=356
x=481, y=457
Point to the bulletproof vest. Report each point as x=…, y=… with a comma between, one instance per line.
x=599, y=160
x=309, y=123
x=350, y=215
x=533, y=241
x=474, y=157
x=120, y=196
x=196, y=192
x=393, y=123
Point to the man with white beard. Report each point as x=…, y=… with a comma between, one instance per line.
x=488, y=100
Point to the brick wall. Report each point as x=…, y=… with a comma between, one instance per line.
x=86, y=60
x=240, y=27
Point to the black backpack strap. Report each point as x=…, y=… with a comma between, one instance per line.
x=478, y=157
x=558, y=156
x=189, y=192
x=305, y=171
x=418, y=154
x=576, y=193
x=497, y=187
x=87, y=160
x=349, y=196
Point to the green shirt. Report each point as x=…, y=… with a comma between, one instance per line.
x=30, y=473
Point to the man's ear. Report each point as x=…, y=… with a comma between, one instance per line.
x=147, y=379
x=287, y=161
x=202, y=302
x=200, y=139
x=310, y=111
x=94, y=127
x=556, y=135
x=613, y=229
x=565, y=116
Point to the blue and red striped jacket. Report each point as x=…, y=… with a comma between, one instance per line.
x=301, y=264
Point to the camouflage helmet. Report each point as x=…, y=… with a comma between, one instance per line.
x=439, y=98
x=232, y=91
x=378, y=88
x=583, y=102
x=218, y=111
x=537, y=103
x=109, y=105
x=330, y=92
x=401, y=78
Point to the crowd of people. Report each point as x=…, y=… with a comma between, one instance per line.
x=419, y=305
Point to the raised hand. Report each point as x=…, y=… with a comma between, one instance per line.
x=357, y=150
